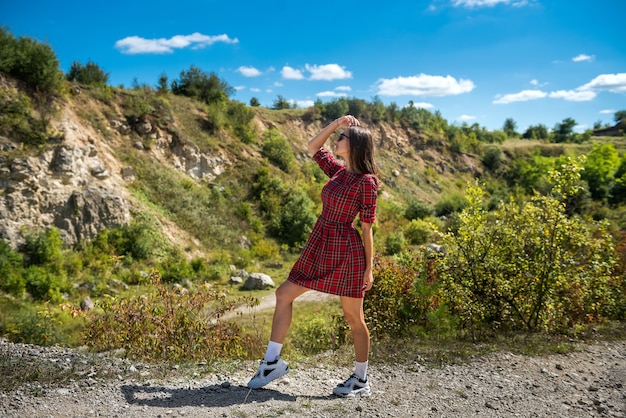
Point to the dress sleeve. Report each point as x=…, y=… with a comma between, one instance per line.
x=369, y=195
x=327, y=162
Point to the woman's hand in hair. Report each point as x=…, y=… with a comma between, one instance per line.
x=347, y=121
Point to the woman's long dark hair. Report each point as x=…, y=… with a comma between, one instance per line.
x=362, y=158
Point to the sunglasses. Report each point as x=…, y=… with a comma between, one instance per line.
x=342, y=136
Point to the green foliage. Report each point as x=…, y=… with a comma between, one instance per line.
x=404, y=294
x=88, y=74
x=600, y=168
x=418, y=232
x=510, y=127
x=281, y=103
x=536, y=132
x=208, y=88
x=11, y=279
x=493, y=158
x=335, y=109
x=564, y=131
x=276, y=149
x=450, y=204
x=170, y=324
x=17, y=121
x=319, y=334
x=288, y=212
x=240, y=117
x=395, y=243
x=620, y=116
x=254, y=102
x=33, y=62
x=418, y=210
x=528, y=265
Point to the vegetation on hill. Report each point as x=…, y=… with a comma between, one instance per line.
x=528, y=228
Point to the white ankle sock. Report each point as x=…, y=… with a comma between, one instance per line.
x=273, y=351
x=360, y=369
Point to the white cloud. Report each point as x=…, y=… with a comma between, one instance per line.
x=305, y=103
x=328, y=72
x=607, y=111
x=248, y=71
x=277, y=84
x=290, y=73
x=466, y=118
x=522, y=96
x=423, y=85
x=488, y=3
x=583, y=57
x=343, y=88
x=137, y=45
x=615, y=83
x=239, y=88
x=423, y=105
x=573, y=95
x=255, y=89
x=331, y=94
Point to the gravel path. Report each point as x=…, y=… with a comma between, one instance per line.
x=587, y=383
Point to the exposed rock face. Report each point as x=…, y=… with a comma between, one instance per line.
x=68, y=187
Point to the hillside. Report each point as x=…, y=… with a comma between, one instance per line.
x=91, y=175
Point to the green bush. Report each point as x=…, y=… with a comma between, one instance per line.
x=404, y=295
x=11, y=272
x=418, y=210
x=449, y=205
x=90, y=73
x=395, y=243
x=418, y=232
x=528, y=265
x=277, y=150
x=317, y=334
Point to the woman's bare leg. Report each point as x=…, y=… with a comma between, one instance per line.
x=285, y=295
x=353, y=312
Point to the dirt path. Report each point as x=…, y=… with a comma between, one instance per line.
x=586, y=383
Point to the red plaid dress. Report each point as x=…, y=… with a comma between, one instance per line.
x=333, y=259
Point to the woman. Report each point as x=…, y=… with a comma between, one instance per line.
x=335, y=259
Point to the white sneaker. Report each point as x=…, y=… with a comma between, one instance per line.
x=353, y=387
x=267, y=372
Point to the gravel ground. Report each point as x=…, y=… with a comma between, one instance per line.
x=590, y=382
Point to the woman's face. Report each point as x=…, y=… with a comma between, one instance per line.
x=342, y=145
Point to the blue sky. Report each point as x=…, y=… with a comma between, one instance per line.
x=475, y=61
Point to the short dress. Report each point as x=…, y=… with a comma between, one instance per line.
x=333, y=258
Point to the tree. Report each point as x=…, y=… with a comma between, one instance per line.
x=162, y=87
x=281, y=103
x=89, y=74
x=536, y=132
x=254, y=102
x=564, y=131
x=620, y=116
x=510, y=127
x=208, y=88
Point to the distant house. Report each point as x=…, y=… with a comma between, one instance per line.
x=617, y=130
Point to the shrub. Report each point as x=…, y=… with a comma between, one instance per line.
x=404, y=294
x=11, y=274
x=418, y=232
x=318, y=334
x=170, y=324
x=450, y=205
x=394, y=243
x=528, y=265
x=277, y=150
x=417, y=210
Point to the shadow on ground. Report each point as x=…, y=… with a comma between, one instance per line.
x=210, y=396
